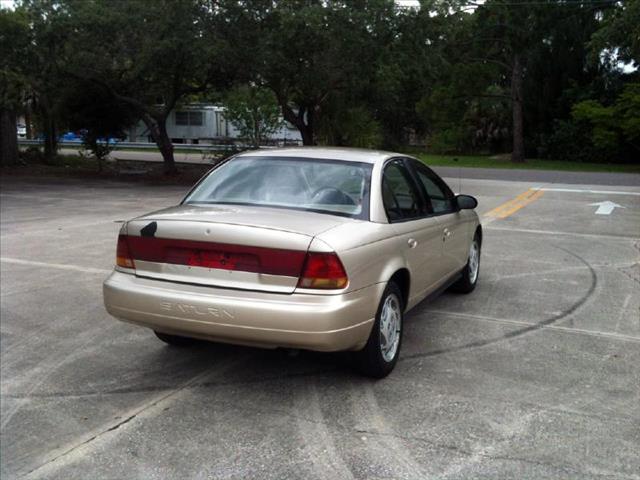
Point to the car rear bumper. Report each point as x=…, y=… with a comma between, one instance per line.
x=314, y=322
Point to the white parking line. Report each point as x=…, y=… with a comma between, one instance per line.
x=59, y=266
x=555, y=232
x=576, y=190
x=26, y=196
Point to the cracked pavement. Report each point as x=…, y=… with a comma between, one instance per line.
x=534, y=375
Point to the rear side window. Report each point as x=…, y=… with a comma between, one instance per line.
x=438, y=194
x=399, y=195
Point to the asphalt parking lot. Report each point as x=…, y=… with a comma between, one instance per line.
x=534, y=375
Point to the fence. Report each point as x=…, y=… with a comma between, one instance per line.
x=198, y=147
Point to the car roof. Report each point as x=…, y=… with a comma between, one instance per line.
x=330, y=153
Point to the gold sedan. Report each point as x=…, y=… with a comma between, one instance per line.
x=314, y=248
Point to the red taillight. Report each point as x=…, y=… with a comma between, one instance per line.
x=241, y=258
x=323, y=271
x=319, y=270
x=123, y=253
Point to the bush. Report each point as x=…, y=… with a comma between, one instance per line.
x=353, y=127
x=571, y=140
x=254, y=111
x=31, y=154
x=360, y=129
x=453, y=140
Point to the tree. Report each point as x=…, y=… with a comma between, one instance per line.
x=254, y=111
x=619, y=36
x=147, y=55
x=305, y=51
x=413, y=61
x=38, y=64
x=504, y=35
x=13, y=28
x=616, y=125
x=530, y=55
x=91, y=110
x=30, y=75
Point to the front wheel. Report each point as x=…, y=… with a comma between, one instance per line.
x=471, y=270
x=381, y=352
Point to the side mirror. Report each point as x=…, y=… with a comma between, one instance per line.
x=466, y=202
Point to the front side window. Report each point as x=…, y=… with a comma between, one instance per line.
x=438, y=194
x=401, y=201
x=325, y=186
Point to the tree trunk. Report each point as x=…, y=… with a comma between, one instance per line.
x=517, y=155
x=298, y=121
x=8, y=137
x=49, y=130
x=28, y=120
x=257, y=137
x=306, y=132
x=50, y=138
x=158, y=129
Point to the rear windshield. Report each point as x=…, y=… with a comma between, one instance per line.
x=319, y=185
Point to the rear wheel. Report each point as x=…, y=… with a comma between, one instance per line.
x=471, y=271
x=381, y=352
x=175, y=340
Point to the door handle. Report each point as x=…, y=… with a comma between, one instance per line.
x=446, y=234
x=413, y=243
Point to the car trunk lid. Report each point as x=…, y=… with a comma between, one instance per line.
x=238, y=247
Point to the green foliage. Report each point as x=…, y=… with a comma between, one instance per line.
x=570, y=140
x=461, y=123
x=604, y=134
x=13, y=42
x=450, y=140
x=97, y=148
x=31, y=155
x=307, y=52
x=13, y=29
x=149, y=55
x=627, y=110
x=619, y=36
x=40, y=62
x=614, y=127
x=360, y=129
x=352, y=127
x=348, y=72
x=155, y=54
x=254, y=111
x=92, y=110
x=597, y=133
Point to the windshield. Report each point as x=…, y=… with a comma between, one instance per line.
x=327, y=186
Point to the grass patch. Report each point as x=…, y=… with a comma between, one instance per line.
x=485, y=161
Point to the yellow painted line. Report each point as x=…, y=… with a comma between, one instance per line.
x=521, y=204
x=515, y=204
x=507, y=205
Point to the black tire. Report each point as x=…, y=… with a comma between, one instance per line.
x=468, y=282
x=371, y=360
x=175, y=340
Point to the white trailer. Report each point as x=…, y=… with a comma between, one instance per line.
x=201, y=123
